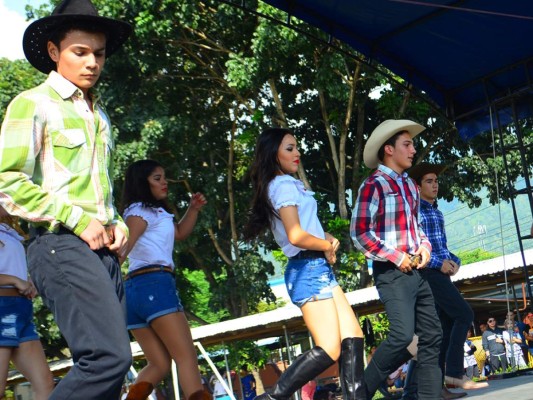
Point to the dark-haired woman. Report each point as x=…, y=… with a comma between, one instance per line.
x=154, y=311
x=281, y=203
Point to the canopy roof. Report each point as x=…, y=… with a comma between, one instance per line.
x=464, y=55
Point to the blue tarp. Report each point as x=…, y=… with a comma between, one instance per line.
x=465, y=55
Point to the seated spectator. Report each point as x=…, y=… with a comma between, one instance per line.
x=513, y=341
x=397, y=377
x=528, y=332
x=218, y=390
x=470, y=363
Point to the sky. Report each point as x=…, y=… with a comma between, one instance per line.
x=12, y=26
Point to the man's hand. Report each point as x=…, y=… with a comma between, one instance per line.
x=424, y=255
x=95, y=235
x=118, y=239
x=449, y=267
x=406, y=265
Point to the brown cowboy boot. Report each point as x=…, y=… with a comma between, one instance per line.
x=140, y=391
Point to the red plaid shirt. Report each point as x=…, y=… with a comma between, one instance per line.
x=385, y=219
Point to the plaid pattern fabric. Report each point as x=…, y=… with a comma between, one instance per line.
x=432, y=222
x=384, y=222
x=55, y=158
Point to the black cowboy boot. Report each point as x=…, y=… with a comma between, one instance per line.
x=351, y=369
x=306, y=367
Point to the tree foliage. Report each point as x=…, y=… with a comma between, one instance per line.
x=197, y=82
x=15, y=77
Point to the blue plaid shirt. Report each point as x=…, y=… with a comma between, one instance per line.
x=432, y=222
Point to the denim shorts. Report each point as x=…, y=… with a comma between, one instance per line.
x=149, y=296
x=309, y=279
x=16, y=321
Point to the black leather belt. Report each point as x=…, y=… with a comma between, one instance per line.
x=149, y=269
x=383, y=264
x=308, y=254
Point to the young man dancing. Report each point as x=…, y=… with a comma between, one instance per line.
x=455, y=314
x=385, y=227
x=56, y=172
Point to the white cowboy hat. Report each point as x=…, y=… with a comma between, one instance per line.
x=384, y=132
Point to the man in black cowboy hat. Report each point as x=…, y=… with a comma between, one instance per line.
x=385, y=227
x=455, y=314
x=55, y=171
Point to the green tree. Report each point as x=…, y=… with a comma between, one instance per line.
x=15, y=77
x=472, y=256
x=195, y=85
x=203, y=90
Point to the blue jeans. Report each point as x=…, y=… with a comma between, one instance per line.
x=410, y=308
x=455, y=316
x=309, y=279
x=149, y=296
x=83, y=289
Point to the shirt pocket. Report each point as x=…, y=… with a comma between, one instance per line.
x=70, y=150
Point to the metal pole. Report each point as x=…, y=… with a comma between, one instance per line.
x=215, y=370
x=228, y=370
x=175, y=381
x=287, y=343
x=296, y=395
x=512, y=189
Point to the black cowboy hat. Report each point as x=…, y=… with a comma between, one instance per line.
x=419, y=170
x=38, y=33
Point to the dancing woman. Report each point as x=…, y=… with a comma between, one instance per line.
x=281, y=203
x=154, y=311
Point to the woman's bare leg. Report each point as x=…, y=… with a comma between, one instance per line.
x=173, y=330
x=30, y=360
x=156, y=355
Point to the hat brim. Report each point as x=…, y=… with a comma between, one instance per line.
x=384, y=132
x=419, y=170
x=36, y=36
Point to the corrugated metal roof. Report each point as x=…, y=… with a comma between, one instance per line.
x=494, y=265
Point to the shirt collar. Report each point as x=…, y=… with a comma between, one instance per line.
x=66, y=88
x=427, y=204
x=393, y=174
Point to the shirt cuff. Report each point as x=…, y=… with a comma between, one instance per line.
x=401, y=259
x=83, y=223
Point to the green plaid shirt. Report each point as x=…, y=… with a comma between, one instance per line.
x=56, y=158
